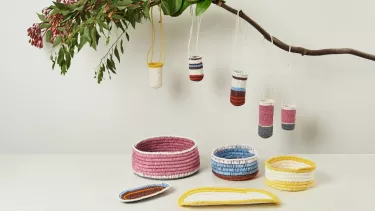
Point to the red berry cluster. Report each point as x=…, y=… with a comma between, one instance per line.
x=55, y=21
x=35, y=34
x=68, y=2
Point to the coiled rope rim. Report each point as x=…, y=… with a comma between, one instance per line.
x=165, y=153
x=311, y=168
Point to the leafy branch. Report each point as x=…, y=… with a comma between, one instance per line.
x=106, y=62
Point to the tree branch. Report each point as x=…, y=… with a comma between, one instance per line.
x=294, y=49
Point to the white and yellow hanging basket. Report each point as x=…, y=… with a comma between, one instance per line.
x=156, y=67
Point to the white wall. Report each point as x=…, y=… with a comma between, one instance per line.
x=41, y=111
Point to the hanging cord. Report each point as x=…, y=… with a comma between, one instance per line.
x=162, y=55
x=198, y=30
x=191, y=29
x=236, y=34
x=290, y=71
x=162, y=37
x=270, y=73
x=199, y=21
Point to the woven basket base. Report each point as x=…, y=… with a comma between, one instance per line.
x=288, y=126
x=196, y=77
x=237, y=102
x=169, y=177
x=236, y=178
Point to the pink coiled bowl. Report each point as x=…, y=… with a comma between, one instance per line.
x=165, y=158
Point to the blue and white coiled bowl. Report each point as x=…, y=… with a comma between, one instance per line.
x=235, y=162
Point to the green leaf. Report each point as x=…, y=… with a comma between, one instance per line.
x=79, y=8
x=86, y=35
x=202, y=6
x=117, y=54
x=42, y=17
x=60, y=57
x=45, y=25
x=110, y=66
x=175, y=6
x=131, y=15
x=48, y=36
x=185, y=5
x=146, y=9
x=93, y=38
x=112, y=62
x=63, y=69
x=121, y=7
x=166, y=7
x=61, y=6
x=57, y=41
x=100, y=74
x=116, y=17
x=124, y=2
x=108, y=40
x=132, y=7
x=81, y=44
x=55, y=11
x=121, y=47
x=119, y=25
x=138, y=17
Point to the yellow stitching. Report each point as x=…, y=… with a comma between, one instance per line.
x=293, y=158
x=155, y=64
x=287, y=183
x=288, y=187
x=181, y=202
x=162, y=40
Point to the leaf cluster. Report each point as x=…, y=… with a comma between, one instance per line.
x=85, y=22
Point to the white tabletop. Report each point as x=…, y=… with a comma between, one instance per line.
x=93, y=182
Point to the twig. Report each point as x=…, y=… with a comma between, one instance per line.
x=109, y=50
x=294, y=49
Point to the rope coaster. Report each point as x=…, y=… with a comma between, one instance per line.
x=165, y=158
x=143, y=192
x=226, y=196
x=196, y=68
x=235, y=162
x=290, y=173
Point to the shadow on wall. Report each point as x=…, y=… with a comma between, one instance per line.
x=305, y=138
x=221, y=81
x=178, y=88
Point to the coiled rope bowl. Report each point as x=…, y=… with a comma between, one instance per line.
x=235, y=162
x=165, y=158
x=290, y=173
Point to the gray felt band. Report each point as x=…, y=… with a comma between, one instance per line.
x=265, y=132
x=288, y=126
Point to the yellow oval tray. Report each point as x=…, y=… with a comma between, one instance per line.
x=211, y=196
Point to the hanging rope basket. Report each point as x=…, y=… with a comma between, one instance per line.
x=156, y=67
x=195, y=62
x=239, y=77
x=196, y=68
x=288, y=116
x=266, y=110
x=238, y=91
